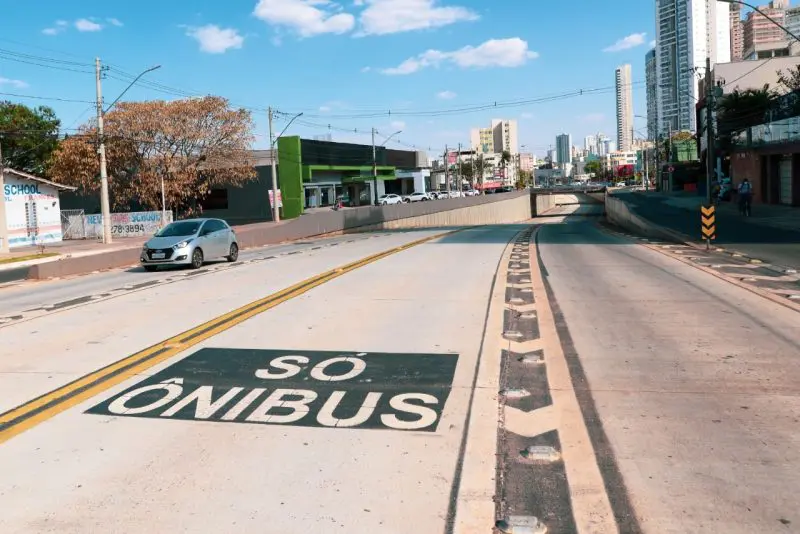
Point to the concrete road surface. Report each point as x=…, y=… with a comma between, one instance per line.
x=383, y=384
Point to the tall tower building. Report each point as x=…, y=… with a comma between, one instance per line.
x=505, y=136
x=590, y=144
x=563, y=149
x=651, y=81
x=624, y=107
x=761, y=33
x=737, y=32
x=686, y=32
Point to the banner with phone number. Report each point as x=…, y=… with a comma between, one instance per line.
x=133, y=224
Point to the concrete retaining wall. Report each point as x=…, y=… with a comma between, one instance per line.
x=619, y=213
x=509, y=210
x=542, y=203
x=487, y=209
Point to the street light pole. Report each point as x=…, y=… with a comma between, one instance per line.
x=276, y=212
x=375, y=161
x=105, y=209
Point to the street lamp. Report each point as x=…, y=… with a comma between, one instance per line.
x=105, y=204
x=276, y=214
x=375, y=161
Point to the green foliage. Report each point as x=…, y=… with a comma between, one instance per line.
x=28, y=136
x=593, y=167
x=740, y=109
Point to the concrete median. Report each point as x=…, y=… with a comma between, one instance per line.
x=501, y=208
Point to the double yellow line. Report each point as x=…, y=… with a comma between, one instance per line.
x=33, y=412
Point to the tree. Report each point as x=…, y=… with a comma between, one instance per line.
x=28, y=136
x=193, y=145
x=790, y=81
x=740, y=109
x=593, y=167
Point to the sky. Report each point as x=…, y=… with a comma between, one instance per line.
x=431, y=69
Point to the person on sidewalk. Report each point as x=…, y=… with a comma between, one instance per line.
x=745, y=197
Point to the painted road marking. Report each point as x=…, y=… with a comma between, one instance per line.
x=296, y=388
x=28, y=415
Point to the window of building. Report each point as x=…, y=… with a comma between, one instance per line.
x=217, y=199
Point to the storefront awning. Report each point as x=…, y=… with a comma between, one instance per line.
x=490, y=185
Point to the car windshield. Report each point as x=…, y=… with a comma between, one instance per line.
x=179, y=229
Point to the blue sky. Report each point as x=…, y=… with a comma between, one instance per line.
x=335, y=61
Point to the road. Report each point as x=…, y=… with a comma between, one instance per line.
x=383, y=384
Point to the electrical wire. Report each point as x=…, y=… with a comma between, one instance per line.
x=54, y=98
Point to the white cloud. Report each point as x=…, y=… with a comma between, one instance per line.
x=397, y=125
x=324, y=109
x=16, y=84
x=393, y=16
x=306, y=17
x=526, y=115
x=216, y=40
x=446, y=95
x=51, y=31
x=493, y=53
x=653, y=43
x=86, y=25
x=114, y=22
x=366, y=69
x=62, y=23
x=631, y=41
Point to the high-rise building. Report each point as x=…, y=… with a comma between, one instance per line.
x=482, y=140
x=590, y=144
x=762, y=37
x=687, y=31
x=500, y=136
x=622, y=80
x=505, y=136
x=563, y=149
x=737, y=32
x=651, y=82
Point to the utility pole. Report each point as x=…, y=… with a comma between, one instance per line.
x=458, y=166
x=446, y=161
x=446, y=175
x=101, y=151
x=710, y=158
x=276, y=213
x=374, y=169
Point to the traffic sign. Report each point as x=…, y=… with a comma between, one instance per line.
x=295, y=388
x=708, y=225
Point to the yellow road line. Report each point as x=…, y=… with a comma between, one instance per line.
x=33, y=412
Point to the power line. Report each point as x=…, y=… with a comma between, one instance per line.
x=55, y=98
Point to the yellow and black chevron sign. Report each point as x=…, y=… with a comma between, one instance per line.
x=708, y=217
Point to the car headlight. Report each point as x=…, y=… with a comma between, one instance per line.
x=182, y=244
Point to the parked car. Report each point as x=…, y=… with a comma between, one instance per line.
x=443, y=194
x=471, y=193
x=190, y=242
x=621, y=184
x=416, y=197
x=387, y=200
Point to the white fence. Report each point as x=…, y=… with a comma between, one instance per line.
x=134, y=224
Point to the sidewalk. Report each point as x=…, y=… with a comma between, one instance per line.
x=66, y=249
x=772, y=234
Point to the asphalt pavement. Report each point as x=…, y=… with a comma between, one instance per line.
x=552, y=374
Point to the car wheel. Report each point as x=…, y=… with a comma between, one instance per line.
x=234, y=253
x=197, y=259
x=150, y=268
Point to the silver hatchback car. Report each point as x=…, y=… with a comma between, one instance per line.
x=190, y=242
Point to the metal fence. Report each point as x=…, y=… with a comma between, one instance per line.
x=73, y=224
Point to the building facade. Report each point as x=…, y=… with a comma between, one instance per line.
x=737, y=32
x=651, y=92
x=622, y=81
x=32, y=209
x=687, y=31
x=590, y=144
x=762, y=37
x=563, y=149
x=500, y=136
